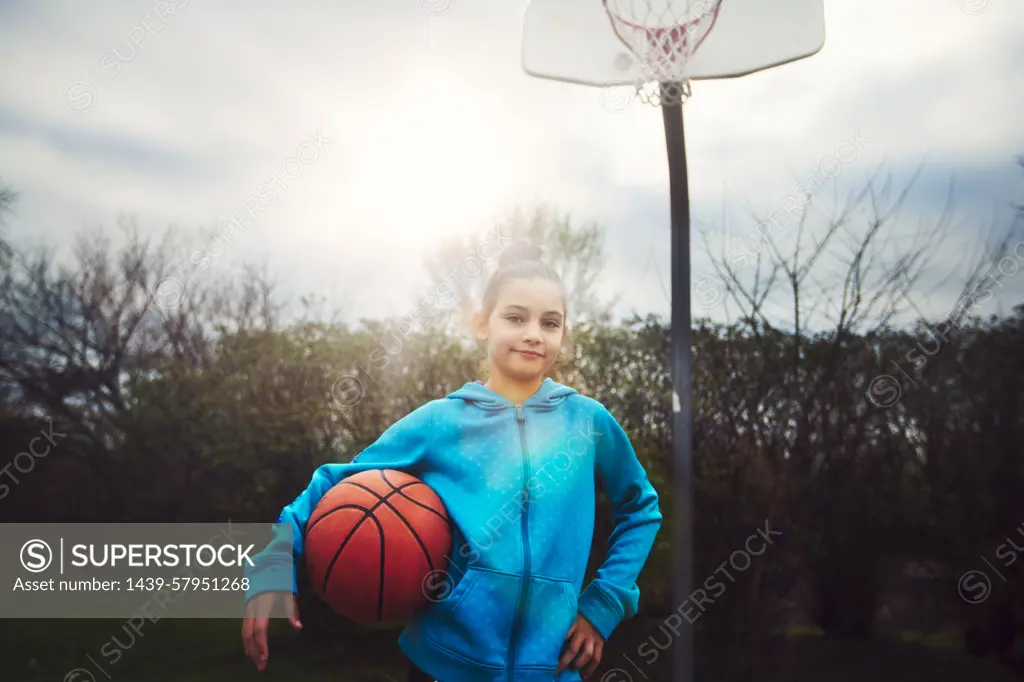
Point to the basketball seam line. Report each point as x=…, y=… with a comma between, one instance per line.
x=416, y=536
x=341, y=548
x=366, y=509
x=368, y=513
x=380, y=531
x=380, y=500
x=401, y=493
x=433, y=511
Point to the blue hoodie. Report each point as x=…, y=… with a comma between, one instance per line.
x=518, y=482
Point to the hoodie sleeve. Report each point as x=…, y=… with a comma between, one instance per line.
x=613, y=595
x=404, y=446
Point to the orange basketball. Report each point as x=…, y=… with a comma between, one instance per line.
x=374, y=541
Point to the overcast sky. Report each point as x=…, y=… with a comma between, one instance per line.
x=428, y=126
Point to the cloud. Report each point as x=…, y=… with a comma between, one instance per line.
x=437, y=129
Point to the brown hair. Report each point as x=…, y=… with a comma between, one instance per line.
x=521, y=260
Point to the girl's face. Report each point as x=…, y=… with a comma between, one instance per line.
x=526, y=328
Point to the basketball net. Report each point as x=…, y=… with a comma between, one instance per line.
x=663, y=35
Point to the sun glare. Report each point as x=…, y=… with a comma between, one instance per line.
x=428, y=163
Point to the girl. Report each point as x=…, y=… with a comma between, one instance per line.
x=515, y=461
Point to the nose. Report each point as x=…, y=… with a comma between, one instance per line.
x=531, y=334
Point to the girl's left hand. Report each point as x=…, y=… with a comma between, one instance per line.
x=585, y=647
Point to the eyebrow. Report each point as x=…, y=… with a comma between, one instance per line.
x=526, y=310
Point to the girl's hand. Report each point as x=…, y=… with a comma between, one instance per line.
x=257, y=618
x=585, y=647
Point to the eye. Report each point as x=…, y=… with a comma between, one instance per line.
x=512, y=318
x=554, y=325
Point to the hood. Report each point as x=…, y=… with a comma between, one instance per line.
x=550, y=394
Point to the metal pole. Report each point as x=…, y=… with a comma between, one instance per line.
x=682, y=382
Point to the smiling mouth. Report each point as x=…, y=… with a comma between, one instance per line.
x=530, y=354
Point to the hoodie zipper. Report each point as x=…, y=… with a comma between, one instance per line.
x=524, y=589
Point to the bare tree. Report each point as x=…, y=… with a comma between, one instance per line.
x=7, y=198
x=806, y=406
x=460, y=268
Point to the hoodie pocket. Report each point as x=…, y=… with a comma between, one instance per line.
x=550, y=613
x=475, y=621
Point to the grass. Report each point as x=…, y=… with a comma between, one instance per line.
x=211, y=650
x=810, y=657
x=179, y=651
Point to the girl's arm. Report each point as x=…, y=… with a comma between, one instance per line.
x=404, y=446
x=613, y=595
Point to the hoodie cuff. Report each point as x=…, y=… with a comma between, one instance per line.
x=602, y=611
x=272, y=574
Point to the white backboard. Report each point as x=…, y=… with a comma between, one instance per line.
x=573, y=40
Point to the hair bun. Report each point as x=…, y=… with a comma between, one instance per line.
x=519, y=252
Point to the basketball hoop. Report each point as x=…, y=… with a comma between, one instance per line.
x=663, y=35
x=569, y=41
